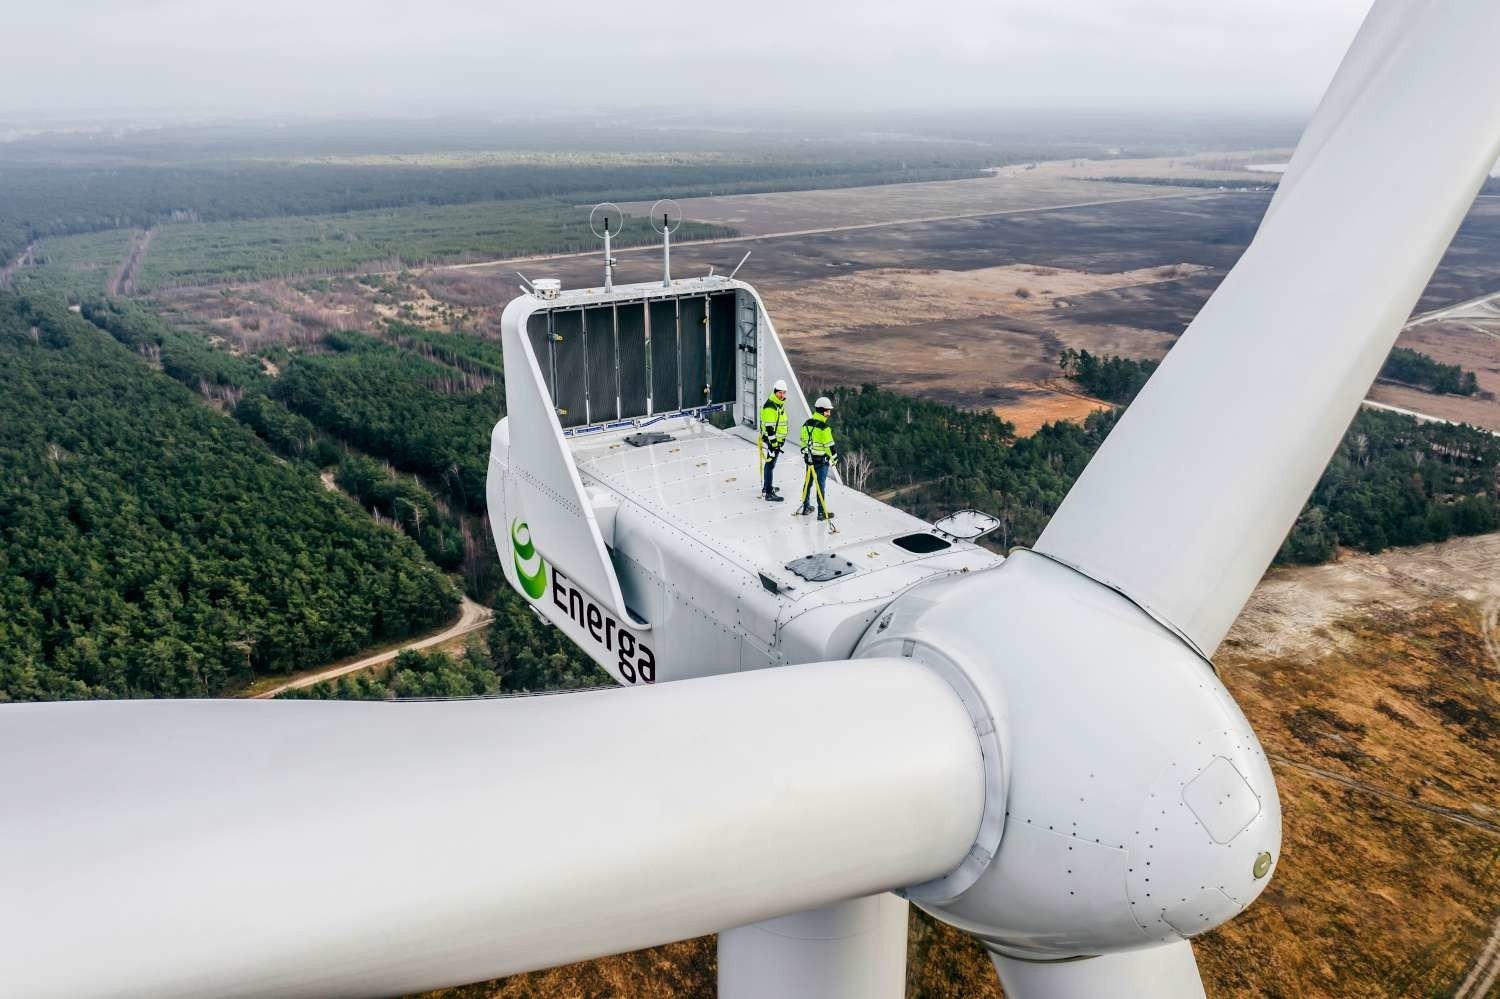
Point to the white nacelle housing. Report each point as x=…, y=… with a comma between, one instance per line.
x=660, y=559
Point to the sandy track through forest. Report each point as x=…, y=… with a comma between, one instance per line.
x=122, y=282
x=8, y=271
x=471, y=617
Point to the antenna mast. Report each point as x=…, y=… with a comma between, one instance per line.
x=665, y=218
x=600, y=223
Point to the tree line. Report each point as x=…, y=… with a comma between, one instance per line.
x=1113, y=379
x=1424, y=371
x=1393, y=481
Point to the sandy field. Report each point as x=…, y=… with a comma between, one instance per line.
x=1006, y=189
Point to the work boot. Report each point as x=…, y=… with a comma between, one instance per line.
x=804, y=511
x=825, y=516
x=770, y=497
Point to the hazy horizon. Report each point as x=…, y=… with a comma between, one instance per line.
x=173, y=58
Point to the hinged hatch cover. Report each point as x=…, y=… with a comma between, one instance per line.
x=967, y=525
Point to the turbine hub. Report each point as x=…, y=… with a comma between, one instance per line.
x=1137, y=804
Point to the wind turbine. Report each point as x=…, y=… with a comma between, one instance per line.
x=1036, y=750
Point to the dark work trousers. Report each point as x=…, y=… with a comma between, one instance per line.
x=771, y=457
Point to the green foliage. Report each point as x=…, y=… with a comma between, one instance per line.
x=460, y=350
x=149, y=546
x=72, y=266
x=55, y=200
x=520, y=655
x=286, y=432
x=1397, y=481
x=406, y=502
x=187, y=357
x=14, y=236
x=1393, y=481
x=1416, y=368
x=422, y=416
x=252, y=249
x=1113, y=379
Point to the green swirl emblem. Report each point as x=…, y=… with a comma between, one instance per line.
x=530, y=568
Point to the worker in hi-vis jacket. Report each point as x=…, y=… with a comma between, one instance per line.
x=773, y=434
x=819, y=453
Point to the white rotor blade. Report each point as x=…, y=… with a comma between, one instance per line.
x=305, y=848
x=1186, y=503
x=849, y=950
x=1378, y=36
x=1165, y=972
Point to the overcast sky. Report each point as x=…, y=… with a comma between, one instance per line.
x=377, y=56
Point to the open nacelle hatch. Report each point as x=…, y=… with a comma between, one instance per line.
x=587, y=362
x=610, y=364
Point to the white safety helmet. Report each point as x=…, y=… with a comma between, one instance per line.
x=780, y=385
x=823, y=403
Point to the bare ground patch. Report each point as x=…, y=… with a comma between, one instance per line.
x=883, y=297
x=1040, y=403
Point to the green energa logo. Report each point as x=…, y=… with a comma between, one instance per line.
x=530, y=569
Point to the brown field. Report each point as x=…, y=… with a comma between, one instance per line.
x=811, y=211
x=1038, y=403
x=1007, y=189
x=1473, y=344
x=983, y=337
x=1374, y=683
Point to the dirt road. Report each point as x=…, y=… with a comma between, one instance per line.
x=8, y=271
x=471, y=617
x=122, y=282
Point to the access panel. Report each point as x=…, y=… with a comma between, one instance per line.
x=630, y=344
x=692, y=327
x=567, y=352
x=599, y=350
x=723, y=336
x=665, y=396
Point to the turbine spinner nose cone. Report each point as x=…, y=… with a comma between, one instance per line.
x=1206, y=838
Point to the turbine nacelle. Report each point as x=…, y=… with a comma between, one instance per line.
x=1138, y=806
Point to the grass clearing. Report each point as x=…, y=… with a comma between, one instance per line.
x=258, y=249
x=73, y=266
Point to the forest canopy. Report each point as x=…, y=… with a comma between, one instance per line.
x=151, y=547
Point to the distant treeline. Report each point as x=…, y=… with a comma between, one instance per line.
x=40, y=201
x=1393, y=481
x=1416, y=368
x=1113, y=379
x=1269, y=184
x=149, y=546
x=1118, y=379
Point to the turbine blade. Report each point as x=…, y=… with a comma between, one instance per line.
x=303, y=848
x=848, y=950
x=1186, y=503
x=1166, y=972
x=1378, y=37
